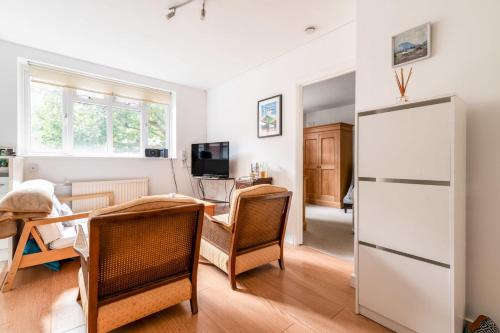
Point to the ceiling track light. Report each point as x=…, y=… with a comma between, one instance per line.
x=203, y=12
x=171, y=14
x=310, y=29
x=173, y=9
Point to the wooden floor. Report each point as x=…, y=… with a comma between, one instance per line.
x=311, y=295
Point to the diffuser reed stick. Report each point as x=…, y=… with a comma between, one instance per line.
x=402, y=84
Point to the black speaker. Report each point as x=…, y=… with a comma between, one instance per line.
x=156, y=152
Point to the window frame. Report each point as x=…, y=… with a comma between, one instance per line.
x=70, y=96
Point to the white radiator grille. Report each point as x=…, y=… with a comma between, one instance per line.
x=124, y=190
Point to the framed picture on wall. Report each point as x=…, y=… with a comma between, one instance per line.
x=411, y=45
x=269, y=117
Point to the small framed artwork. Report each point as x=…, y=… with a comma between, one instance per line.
x=411, y=45
x=269, y=117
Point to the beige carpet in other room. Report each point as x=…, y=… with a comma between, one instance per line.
x=330, y=230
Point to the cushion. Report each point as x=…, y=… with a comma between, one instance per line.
x=56, y=204
x=244, y=262
x=51, y=232
x=143, y=204
x=65, y=210
x=68, y=236
x=8, y=228
x=126, y=310
x=223, y=218
x=33, y=196
x=251, y=191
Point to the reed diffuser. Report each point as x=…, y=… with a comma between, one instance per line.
x=402, y=85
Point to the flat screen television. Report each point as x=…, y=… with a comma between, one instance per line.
x=210, y=159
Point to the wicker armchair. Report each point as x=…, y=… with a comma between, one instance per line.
x=140, y=257
x=251, y=235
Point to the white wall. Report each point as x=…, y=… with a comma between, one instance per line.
x=191, y=124
x=465, y=61
x=232, y=108
x=341, y=114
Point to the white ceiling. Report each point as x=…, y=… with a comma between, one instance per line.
x=133, y=35
x=332, y=93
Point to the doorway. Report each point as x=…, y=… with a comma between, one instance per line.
x=328, y=165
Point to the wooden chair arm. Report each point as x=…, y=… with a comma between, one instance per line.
x=219, y=222
x=50, y=220
x=109, y=195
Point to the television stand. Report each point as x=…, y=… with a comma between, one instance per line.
x=227, y=199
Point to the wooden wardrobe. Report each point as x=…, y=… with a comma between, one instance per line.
x=328, y=163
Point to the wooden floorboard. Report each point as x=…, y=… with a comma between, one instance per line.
x=312, y=295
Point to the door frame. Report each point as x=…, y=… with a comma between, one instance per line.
x=299, y=141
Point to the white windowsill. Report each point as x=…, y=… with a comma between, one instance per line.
x=47, y=155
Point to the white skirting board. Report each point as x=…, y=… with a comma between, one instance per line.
x=353, y=280
x=392, y=325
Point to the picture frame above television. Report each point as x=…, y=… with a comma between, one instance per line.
x=269, y=117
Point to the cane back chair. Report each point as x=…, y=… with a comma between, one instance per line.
x=252, y=234
x=141, y=257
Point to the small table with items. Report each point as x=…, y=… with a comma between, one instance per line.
x=249, y=181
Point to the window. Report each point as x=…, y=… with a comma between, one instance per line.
x=66, y=120
x=46, y=118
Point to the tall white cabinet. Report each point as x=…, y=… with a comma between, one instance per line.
x=10, y=177
x=410, y=215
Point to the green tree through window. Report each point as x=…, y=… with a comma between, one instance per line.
x=66, y=120
x=89, y=128
x=157, y=125
x=126, y=131
x=46, y=117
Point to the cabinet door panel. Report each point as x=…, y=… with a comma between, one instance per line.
x=328, y=150
x=328, y=156
x=412, y=293
x=312, y=183
x=406, y=144
x=311, y=160
x=311, y=165
x=329, y=188
x=409, y=218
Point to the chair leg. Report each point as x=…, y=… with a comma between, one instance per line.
x=8, y=282
x=232, y=280
x=194, y=304
x=281, y=261
x=232, y=271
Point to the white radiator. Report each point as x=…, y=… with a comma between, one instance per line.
x=124, y=190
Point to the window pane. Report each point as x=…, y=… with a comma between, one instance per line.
x=89, y=128
x=46, y=118
x=157, y=125
x=126, y=131
x=89, y=94
x=128, y=101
